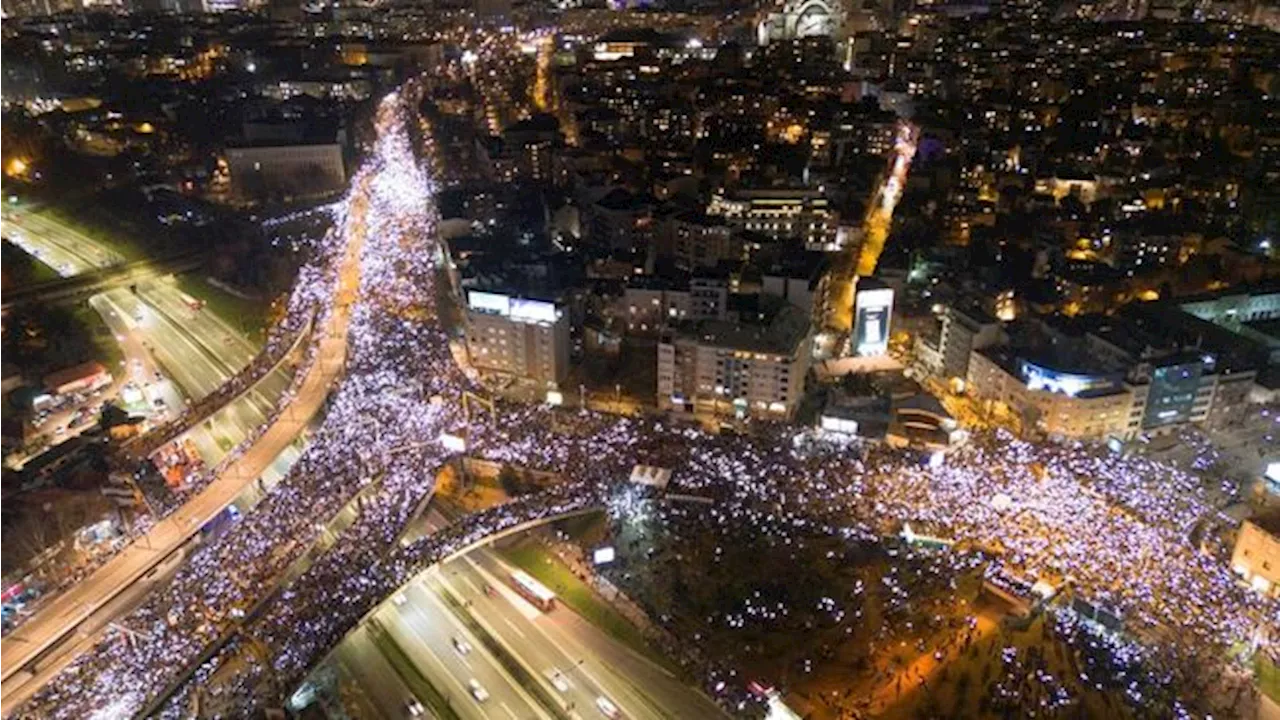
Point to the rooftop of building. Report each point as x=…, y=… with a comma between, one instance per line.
x=807, y=264
x=1132, y=334
x=1266, y=288
x=1270, y=328
x=1011, y=360
x=679, y=280
x=973, y=311
x=1268, y=522
x=75, y=373
x=539, y=123
x=778, y=328
x=1234, y=352
x=622, y=199
x=637, y=36
x=922, y=403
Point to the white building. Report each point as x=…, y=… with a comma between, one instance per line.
x=527, y=339
x=964, y=331
x=724, y=368
x=1058, y=403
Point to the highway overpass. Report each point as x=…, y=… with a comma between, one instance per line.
x=78, y=287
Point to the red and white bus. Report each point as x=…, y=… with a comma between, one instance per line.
x=533, y=591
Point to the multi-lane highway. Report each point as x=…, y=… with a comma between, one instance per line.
x=574, y=659
x=23, y=665
x=196, y=348
x=380, y=692
x=575, y=662
x=426, y=630
x=63, y=614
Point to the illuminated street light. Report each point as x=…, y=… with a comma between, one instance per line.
x=17, y=167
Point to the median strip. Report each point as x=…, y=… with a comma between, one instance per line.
x=409, y=673
x=505, y=658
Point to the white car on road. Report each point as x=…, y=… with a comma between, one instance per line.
x=558, y=680
x=477, y=690
x=607, y=707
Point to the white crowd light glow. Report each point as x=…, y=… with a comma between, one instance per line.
x=453, y=443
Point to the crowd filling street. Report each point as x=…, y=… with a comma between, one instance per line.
x=1117, y=530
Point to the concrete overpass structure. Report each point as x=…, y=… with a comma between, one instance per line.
x=155, y=704
x=244, y=382
x=78, y=287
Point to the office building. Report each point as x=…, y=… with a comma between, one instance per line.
x=963, y=331
x=651, y=303
x=1116, y=377
x=696, y=240
x=517, y=337
x=1051, y=397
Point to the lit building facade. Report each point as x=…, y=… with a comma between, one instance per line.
x=800, y=214
x=1074, y=405
x=652, y=306
x=964, y=331
x=718, y=368
x=527, y=339
x=1256, y=557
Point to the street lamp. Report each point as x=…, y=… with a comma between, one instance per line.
x=17, y=167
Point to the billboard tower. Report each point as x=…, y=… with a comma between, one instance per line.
x=872, y=310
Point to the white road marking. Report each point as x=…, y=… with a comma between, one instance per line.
x=511, y=625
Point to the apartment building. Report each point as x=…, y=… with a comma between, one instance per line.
x=723, y=368
x=518, y=337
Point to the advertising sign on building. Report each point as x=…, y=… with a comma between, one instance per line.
x=872, y=310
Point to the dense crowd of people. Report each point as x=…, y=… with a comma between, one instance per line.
x=1115, y=528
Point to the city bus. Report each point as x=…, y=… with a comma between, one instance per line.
x=533, y=591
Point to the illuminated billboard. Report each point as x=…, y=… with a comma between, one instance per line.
x=1172, y=394
x=519, y=309
x=872, y=309
x=489, y=302
x=1070, y=384
x=535, y=311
